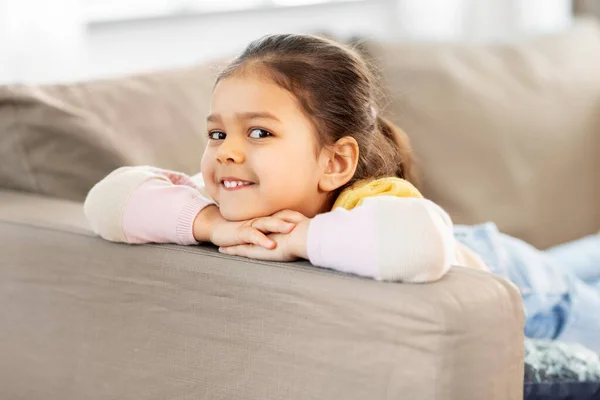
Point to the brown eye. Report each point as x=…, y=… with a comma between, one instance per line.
x=258, y=133
x=217, y=135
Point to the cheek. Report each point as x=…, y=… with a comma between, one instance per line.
x=272, y=167
x=208, y=160
x=207, y=167
x=290, y=172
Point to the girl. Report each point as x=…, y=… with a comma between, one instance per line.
x=300, y=164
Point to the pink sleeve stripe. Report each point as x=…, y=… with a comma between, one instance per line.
x=161, y=212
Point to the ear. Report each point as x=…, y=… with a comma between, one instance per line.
x=339, y=163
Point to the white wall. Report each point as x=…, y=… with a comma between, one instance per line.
x=54, y=42
x=138, y=45
x=40, y=39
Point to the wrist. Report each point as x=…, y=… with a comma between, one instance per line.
x=205, y=222
x=298, y=239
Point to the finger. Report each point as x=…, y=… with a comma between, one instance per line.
x=254, y=236
x=272, y=225
x=290, y=216
x=241, y=250
x=249, y=251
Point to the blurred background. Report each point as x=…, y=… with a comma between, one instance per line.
x=64, y=40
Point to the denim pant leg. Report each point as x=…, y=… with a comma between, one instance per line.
x=558, y=305
x=583, y=322
x=581, y=257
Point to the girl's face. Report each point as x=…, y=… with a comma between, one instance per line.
x=261, y=154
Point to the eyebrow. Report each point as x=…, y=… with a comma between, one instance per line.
x=246, y=116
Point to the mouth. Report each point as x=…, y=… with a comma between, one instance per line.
x=231, y=184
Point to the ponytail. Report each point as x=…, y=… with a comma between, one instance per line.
x=404, y=161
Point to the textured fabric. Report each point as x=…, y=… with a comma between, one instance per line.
x=560, y=371
x=504, y=133
x=59, y=140
x=561, y=294
x=392, y=186
x=84, y=318
x=160, y=212
x=552, y=360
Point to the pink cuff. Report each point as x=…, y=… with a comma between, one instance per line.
x=161, y=212
x=185, y=223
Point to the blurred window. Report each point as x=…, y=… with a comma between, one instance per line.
x=109, y=10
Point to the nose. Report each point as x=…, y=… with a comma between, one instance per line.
x=230, y=151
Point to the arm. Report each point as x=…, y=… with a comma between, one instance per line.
x=387, y=238
x=147, y=204
x=151, y=205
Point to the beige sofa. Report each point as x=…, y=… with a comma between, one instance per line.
x=504, y=133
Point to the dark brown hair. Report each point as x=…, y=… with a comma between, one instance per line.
x=337, y=90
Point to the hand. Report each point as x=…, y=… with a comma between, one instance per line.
x=210, y=225
x=290, y=246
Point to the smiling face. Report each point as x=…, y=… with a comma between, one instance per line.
x=260, y=157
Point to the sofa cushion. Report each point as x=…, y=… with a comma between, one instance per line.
x=59, y=140
x=508, y=133
x=84, y=318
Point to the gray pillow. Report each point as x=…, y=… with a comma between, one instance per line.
x=59, y=140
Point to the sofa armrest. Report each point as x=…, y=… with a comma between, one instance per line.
x=86, y=318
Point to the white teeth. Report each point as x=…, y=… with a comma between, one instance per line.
x=233, y=184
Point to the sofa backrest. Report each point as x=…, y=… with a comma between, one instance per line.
x=505, y=133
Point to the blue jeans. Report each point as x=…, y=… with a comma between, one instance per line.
x=560, y=286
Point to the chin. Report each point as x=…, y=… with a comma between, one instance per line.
x=236, y=214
